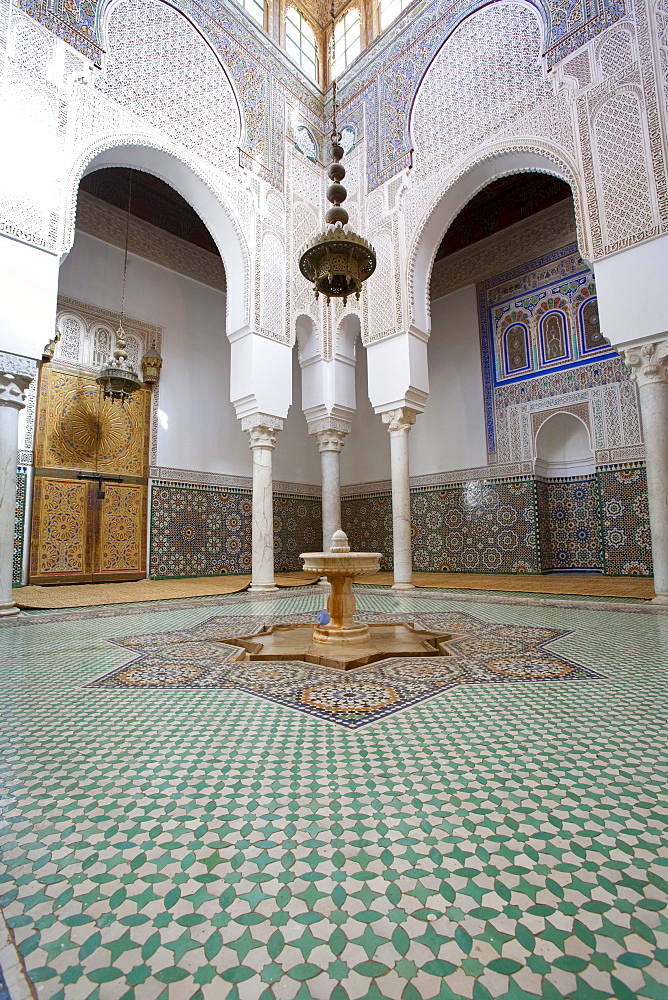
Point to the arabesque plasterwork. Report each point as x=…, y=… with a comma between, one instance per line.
x=445, y=90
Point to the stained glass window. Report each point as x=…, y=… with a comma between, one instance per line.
x=300, y=42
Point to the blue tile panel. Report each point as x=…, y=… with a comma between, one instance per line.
x=555, y=288
x=569, y=525
x=206, y=531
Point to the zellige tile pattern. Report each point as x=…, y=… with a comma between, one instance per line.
x=502, y=841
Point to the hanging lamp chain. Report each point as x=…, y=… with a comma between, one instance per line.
x=127, y=241
x=335, y=131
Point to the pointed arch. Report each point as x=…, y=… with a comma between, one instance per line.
x=178, y=169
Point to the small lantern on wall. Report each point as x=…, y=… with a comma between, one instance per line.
x=151, y=364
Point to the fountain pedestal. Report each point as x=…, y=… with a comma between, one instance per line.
x=343, y=644
x=341, y=567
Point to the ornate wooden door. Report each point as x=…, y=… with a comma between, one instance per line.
x=86, y=529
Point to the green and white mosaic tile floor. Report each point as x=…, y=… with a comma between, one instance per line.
x=496, y=841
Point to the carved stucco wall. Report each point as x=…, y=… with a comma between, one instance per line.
x=471, y=83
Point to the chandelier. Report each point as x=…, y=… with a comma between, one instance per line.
x=337, y=261
x=117, y=378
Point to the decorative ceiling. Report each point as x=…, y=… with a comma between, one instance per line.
x=502, y=204
x=152, y=200
x=319, y=11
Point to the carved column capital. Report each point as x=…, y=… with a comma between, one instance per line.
x=262, y=430
x=399, y=421
x=648, y=363
x=13, y=389
x=16, y=374
x=329, y=438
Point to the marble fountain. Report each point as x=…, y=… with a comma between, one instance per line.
x=343, y=643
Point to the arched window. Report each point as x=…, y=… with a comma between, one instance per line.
x=390, y=11
x=553, y=339
x=590, y=328
x=346, y=40
x=516, y=348
x=300, y=42
x=255, y=8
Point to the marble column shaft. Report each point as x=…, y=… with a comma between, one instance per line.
x=262, y=431
x=13, y=385
x=399, y=423
x=330, y=441
x=649, y=368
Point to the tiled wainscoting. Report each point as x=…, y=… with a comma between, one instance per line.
x=19, y=523
x=596, y=524
x=206, y=530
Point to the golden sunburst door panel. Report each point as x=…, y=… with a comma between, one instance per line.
x=78, y=429
x=87, y=529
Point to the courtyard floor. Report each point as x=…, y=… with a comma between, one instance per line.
x=491, y=824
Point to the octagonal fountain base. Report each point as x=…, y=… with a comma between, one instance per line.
x=297, y=642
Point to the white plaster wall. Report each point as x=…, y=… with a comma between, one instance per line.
x=28, y=279
x=199, y=429
x=450, y=434
x=296, y=456
x=632, y=292
x=366, y=454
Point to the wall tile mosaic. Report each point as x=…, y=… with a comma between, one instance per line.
x=204, y=531
x=198, y=531
x=627, y=546
x=367, y=520
x=297, y=528
x=596, y=524
x=476, y=527
x=19, y=525
x=569, y=525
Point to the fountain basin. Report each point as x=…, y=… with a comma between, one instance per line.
x=341, y=567
x=297, y=642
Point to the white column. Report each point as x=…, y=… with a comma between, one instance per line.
x=330, y=435
x=399, y=423
x=649, y=368
x=16, y=374
x=262, y=430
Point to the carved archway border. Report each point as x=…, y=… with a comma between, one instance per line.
x=581, y=412
x=553, y=156
x=118, y=140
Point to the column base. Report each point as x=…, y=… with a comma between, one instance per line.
x=9, y=610
x=263, y=588
x=403, y=586
x=660, y=599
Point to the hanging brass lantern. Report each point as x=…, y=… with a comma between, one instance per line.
x=118, y=379
x=151, y=364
